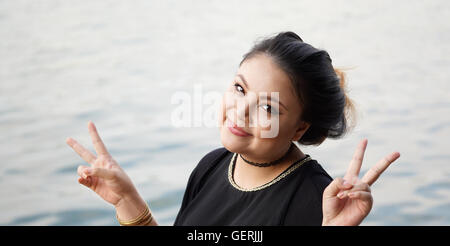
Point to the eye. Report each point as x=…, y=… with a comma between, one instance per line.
x=239, y=88
x=269, y=109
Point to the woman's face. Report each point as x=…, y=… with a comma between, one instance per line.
x=268, y=121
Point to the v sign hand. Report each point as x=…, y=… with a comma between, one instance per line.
x=104, y=176
x=348, y=201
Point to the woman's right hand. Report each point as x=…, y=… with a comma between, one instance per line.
x=104, y=175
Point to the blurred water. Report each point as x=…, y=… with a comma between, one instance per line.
x=117, y=63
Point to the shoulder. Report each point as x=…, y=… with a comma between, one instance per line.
x=305, y=207
x=214, y=154
x=211, y=158
x=318, y=177
x=206, y=163
x=196, y=177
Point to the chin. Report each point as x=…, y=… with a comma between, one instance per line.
x=231, y=142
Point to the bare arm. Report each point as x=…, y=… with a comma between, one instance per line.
x=131, y=207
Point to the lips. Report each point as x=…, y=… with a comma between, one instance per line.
x=237, y=130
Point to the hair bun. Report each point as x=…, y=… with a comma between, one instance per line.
x=341, y=76
x=350, y=110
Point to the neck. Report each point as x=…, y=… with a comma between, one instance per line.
x=261, y=173
x=270, y=163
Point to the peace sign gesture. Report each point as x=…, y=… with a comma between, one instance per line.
x=348, y=201
x=104, y=176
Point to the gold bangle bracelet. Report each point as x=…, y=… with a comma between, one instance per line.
x=145, y=216
x=146, y=222
x=133, y=220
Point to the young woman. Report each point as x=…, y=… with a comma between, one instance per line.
x=254, y=179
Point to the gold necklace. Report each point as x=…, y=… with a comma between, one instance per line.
x=294, y=166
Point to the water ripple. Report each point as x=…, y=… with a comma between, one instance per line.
x=431, y=190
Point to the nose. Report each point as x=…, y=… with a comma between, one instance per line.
x=244, y=107
x=242, y=113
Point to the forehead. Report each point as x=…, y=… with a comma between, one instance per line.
x=264, y=75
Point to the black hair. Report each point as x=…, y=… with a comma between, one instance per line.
x=319, y=86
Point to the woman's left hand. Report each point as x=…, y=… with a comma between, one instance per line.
x=348, y=201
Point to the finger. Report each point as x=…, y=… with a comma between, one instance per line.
x=361, y=187
x=363, y=195
x=85, y=182
x=82, y=171
x=372, y=175
x=335, y=187
x=81, y=151
x=96, y=140
x=357, y=187
x=101, y=173
x=356, y=162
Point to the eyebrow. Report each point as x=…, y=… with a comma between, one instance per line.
x=268, y=96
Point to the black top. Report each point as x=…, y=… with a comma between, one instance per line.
x=212, y=197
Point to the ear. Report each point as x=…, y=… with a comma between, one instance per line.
x=300, y=130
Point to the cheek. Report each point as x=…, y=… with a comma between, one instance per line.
x=229, y=105
x=282, y=123
x=226, y=110
x=290, y=128
x=285, y=127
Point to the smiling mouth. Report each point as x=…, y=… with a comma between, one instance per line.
x=236, y=130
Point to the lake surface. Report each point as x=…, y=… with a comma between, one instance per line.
x=118, y=64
